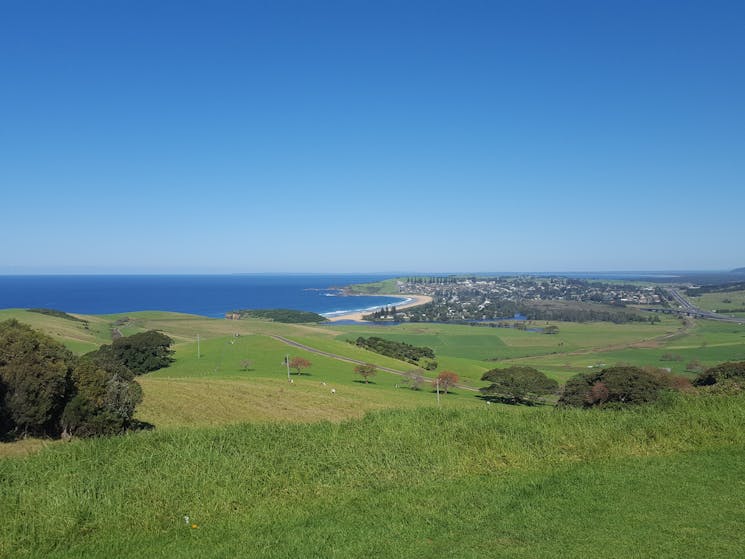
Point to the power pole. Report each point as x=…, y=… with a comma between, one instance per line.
x=287, y=361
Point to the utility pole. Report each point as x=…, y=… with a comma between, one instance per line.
x=287, y=361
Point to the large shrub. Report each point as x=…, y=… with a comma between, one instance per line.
x=731, y=371
x=615, y=385
x=140, y=353
x=104, y=401
x=45, y=389
x=35, y=373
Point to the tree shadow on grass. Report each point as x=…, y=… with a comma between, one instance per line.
x=138, y=425
x=511, y=401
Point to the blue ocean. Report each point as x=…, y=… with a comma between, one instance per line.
x=207, y=295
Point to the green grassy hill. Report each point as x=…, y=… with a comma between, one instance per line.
x=658, y=482
x=265, y=468
x=248, y=394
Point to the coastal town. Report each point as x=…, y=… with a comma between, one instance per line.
x=456, y=298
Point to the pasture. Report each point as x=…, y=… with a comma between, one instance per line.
x=657, y=481
x=724, y=302
x=266, y=468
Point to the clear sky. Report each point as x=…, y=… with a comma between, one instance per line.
x=361, y=136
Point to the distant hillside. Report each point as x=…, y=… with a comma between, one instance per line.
x=58, y=314
x=738, y=271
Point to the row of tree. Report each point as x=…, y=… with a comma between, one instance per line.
x=612, y=386
x=414, y=379
x=416, y=355
x=45, y=390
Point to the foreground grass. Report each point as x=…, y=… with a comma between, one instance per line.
x=651, y=482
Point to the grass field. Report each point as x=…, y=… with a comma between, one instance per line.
x=265, y=468
x=656, y=482
x=468, y=350
x=473, y=350
x=721, y=302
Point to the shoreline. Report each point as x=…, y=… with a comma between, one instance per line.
x=415, y=301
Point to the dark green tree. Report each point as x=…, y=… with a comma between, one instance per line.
x=733, y=371
x=518, y=385
x=140, y=353
x=45, y=390
x=35, y=372
x=615, y=385
x=104, y=401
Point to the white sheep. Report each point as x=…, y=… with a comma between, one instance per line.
x=333, y=390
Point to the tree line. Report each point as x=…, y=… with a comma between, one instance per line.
x=615, y=386
x=699, y=290
x=421, y=356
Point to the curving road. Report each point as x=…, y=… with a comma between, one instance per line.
x=687, y=307
x=352, y=360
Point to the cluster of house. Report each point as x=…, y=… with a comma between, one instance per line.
x=526, y=288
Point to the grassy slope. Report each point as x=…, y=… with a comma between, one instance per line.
x=468, y=350
x=469, y=480
x=465, y=349
x=651, y=482
x=75, y=335
x=385, y=287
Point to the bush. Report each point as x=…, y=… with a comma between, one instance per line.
x=616, y=385
x=733, y=371
x=45, y=390
x=35, y=373
x=140, y=353
x=104, y=401
x=82, y=419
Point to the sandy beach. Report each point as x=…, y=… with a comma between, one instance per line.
x=357, y=315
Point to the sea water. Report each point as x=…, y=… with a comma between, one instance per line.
x=206, y=295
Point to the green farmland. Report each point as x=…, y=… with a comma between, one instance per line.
x=267, y=468
x=728, y=302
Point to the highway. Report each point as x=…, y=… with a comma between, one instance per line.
x=687, y=307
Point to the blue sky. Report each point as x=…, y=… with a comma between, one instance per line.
x=371, y=136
